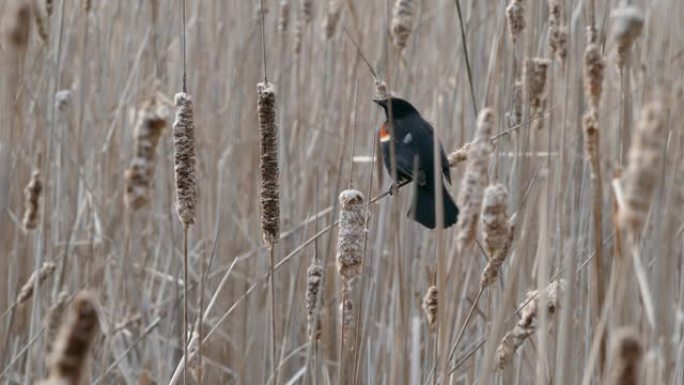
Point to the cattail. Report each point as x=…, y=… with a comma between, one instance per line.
x=494, y=219
x=71, y=348
x=284, y=17
x=558, y=33
x=535, y=82
x=645, y=157
x=491, y=271
x=470, y=196
x=527, y=324
x=40, y=276
x=314, y=280
x=593, y=71
x=53, y=322
x=140, y=173
x=298, y=36
x=402, y=22
x=48, y=7
x=350, y=235
x=332, y=18
x=626, y=353
x=270, y=195
x=515, y=13
x=184, y=159
x=591, y=138
x=32, y=201
x=307, y=11
x=41, y=23
x=628, y=21
x=430, y=305
x=347, y=317
x=87, y=5
x=459, y=156
x=381, y=91
x=514, y=117
x=18, y=23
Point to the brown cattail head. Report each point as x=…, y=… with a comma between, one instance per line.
x=558, y=33
x=332, y=18
x=515, y=13
x=628, y=21
x=284, y=17
x=593, y=72
x=527, y=325
x=270, y=191
x=491, y=271
x=140, y=173
x=314, y=280
x=41, y=22
x=459, y=156
x=184, y=159
x=430, y=305
x=402, y=22
x=350, y=236
x=591, y=138
x=53, y=322
x=470, y=196
x=74, y=340
x=535, y=81
x=494, y=219
x=32, y=201
x=626, y=353
x=298, y=36
x=514, y=117
x=347, y=317
x=38, y=276
x=645, y=157
x=307, y=11
x=17, y=23
x=48, y=7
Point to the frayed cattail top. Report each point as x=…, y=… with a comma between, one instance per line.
x=628, y=21
x=494, y=219
x=558, y=34
x=140, y=173
x=402, y=22
x=270, y=193
x=350, y=235
x=535, y=81
x=332, y=18
x=515, y=115
x=314, y=279
x=593, y=71
x=626, y=352
x=32, y=201
x=430, y=305
x=470, y=195
x=307, y=11
x=184, y=159
x=73, y=343
x=645, y=157
x=515, y=13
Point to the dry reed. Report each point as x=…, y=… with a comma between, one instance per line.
x=184, y=159
x=515, y=115
x=32, y=193
x=347, y=320
x=594, y=67
x=491, y=271
x=270, y=190
x=37, y=278
x=307, y=11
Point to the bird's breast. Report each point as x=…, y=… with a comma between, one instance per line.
x=384, y=133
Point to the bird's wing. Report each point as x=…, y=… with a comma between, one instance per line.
x=428, y=140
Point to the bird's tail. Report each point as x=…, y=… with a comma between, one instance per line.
x=423, y=208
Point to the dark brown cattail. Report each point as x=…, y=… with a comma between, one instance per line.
x=527, y=324
x=593, y=72
x=73, y=342
x=591, y=138
x=350, y=235
x=284, y=16
x=402, y=22
x=53, y=322
x=17, y=23
x=430, y=305
x=558, y=34
x=184, y=159
x=626, y=353
x=40, y=276
x=314, y=280
x=307, y=11
x=470, y=195
x=32, y=193
x=628, y=21
x=332, y=18
x=270, y=191
x=514, y=117
x=140, y=173
x=645, y=157
x=515, y=13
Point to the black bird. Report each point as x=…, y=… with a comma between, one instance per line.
x=414, y=153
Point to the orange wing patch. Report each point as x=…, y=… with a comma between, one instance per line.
x=384, y=133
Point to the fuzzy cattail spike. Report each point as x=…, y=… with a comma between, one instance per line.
x=470, y=196
x=350, y=236
x=32, y=193
x=307, y=11
x=515, y=116
x=536, y=85
x=17, y=23
x=593, y=71
x=332, y=18
x=40, y=275
x=402, y=22
x=184, y=159
x=314, y=279
x=628, y=21
x=459, y=156
x=430, y=305
x=140, y=173
x=558, y=33
x=515, y=13
x=284, y=17
x=270, y=191
x=626, y=354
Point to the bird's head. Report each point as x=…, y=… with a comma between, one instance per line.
x=396, y=106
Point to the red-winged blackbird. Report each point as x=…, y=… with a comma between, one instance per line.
x=414, y=153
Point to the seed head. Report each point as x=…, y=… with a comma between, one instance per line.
x=270, y=190
x=350, y=235
x=626, y=353
x=430, y=305
x=593, y=74
x=32, y=193
x=17, y=23
x=314, y=279
x=284, y=17
x=628, y=21
x=40, y=276
x=332, y=18
x=402, y=22
x=184, y=159
x=515, y=12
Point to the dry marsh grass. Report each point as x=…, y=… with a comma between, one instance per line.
x=572, y=179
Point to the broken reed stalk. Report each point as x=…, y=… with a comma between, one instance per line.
x=527, y=325
x=470, y=195
x=626, y=354
x=32, y=193
x=402, y=22
x=72, y=345
x=186, y=191
x=140, y=174
x=36, y=279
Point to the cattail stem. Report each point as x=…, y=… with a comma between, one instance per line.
x=273, y=314
x=185, y=304
x=461, y=332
